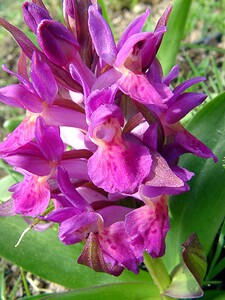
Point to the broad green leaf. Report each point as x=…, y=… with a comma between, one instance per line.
x=175, y=30
x=44, y=255
x=41, y=296
x=202, y=209
x=187, y=278
x=125, y=291
x=214, y=295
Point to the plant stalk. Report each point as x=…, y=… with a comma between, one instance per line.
x=159, y=274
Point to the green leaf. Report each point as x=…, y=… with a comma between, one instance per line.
x=12, y=123
x=44, y=255
x=2, y=282
x=187, y=277
x=175, y=30
x=214, y=270
x=125, y=291
x=5, y=183
x=202, y=209
x=214, y=295
x=219, y=267
x=41, y=296
x=183, y=284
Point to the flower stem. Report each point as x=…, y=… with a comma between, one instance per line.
x=159, y=274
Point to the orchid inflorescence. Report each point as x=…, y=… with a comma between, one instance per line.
x=102, y=136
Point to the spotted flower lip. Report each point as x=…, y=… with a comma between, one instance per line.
x=124, y=161
x=102, y=136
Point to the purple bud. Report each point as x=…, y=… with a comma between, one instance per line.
x=57, y=42
x=33, y=15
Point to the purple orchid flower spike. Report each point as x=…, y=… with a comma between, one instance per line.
x=102, y=135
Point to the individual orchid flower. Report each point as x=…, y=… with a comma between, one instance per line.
x=121, y=162
x=179, y=140
x=130, y=59
x=38, y=161
x=38, y=98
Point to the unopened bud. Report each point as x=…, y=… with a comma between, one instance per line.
x=33, y=15
x=57, y=42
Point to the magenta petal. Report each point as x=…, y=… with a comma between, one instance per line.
x=112, y=214
x=173, y=73
x=120, y=167
x=102, y=37
x=75, y=229
x=62, y=116
x=191, y=144
x=183, y=86
x=70, y=192
x=76, y=75
x=29, y=158
x=49, y=141
x=161, y=180
x=184, y=104
x=23, y=134
x=115, y=241
x=129, y=46
x=139, y=88
x=108, y=78
x=147, y=227
x=32, y=196
x=99, y=97
x=162, y=23
x=62, y=214
x=77, y=168
x=18, y=95
x=43, y=80
x=133, y=28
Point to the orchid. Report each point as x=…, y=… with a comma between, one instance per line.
x=99, y=147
